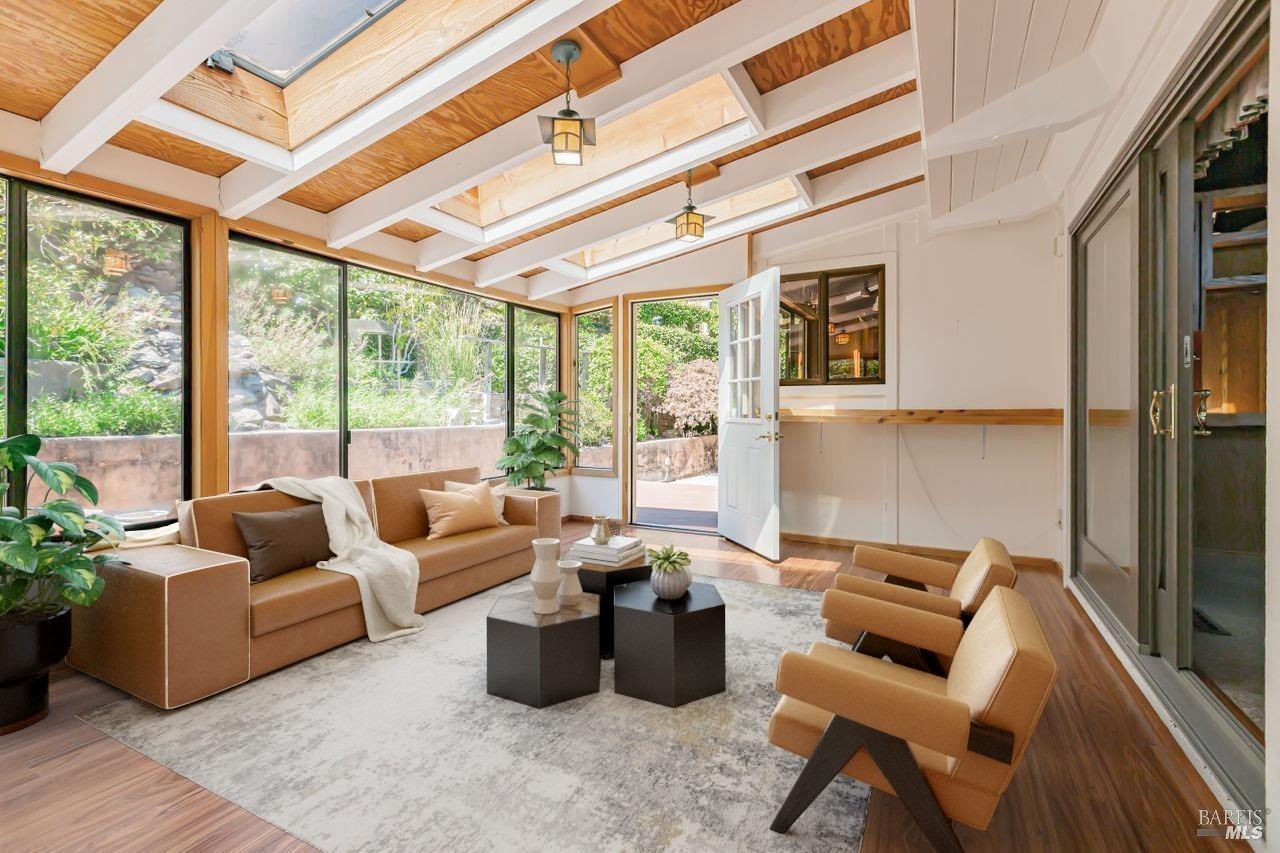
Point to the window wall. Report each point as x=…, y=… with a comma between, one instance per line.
x=283, y=405
x=426, y=376
x=593, y=358
x=95, y=325
x=537, y=362
x=415, y=376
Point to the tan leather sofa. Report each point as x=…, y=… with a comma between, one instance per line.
x=307, y=611
x=946, y=746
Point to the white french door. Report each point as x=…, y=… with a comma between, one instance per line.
x=748, y=439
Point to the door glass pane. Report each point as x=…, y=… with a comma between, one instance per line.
x=4, y=292
x=106, y=350
x=282, y=354
x=593, y=340
x=537, y=362
x=754, y=308
x=426, y=377
x=1109, y=547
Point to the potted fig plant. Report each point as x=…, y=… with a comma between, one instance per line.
x=44, y=571
x=542, y=442
x=670, y=577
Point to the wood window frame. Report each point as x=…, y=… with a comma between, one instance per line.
x=823, y=376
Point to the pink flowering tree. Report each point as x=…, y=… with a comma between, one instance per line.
x=692, y=397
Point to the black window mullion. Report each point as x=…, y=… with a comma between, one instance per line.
x=511, y=368
x=16, y=325
x=344, y=431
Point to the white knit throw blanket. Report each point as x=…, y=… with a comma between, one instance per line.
x=387, y=575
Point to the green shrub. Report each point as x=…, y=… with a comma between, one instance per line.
x=129, y=410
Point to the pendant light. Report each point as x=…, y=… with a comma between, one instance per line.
x=690, y=225
x=843, y=338
x=566, y=131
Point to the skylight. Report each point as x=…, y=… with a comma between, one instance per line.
x=293, y=35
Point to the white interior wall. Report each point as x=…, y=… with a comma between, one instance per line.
x=976, y=323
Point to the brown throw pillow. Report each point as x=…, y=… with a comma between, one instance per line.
x=283, y=540
x=499, y=493
x=450, y=513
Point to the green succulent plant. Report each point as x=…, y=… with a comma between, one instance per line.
x=668, y=559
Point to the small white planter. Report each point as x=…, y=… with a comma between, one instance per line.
x=545, y=575
x=670, y=585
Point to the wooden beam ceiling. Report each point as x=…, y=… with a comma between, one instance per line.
x=855, y=30
x=240, y=99
x=140, y=138
x=48, y=46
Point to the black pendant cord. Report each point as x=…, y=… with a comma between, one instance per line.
x=568, y=86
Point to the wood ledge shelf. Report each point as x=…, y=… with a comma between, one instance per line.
x=972, y=417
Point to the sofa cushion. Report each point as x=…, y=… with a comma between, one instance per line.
x=451, y=513
x=298, y=596
x=398, y=506
x=440, y=557
x=284, y=540
x=207, y=523
x=497, y=488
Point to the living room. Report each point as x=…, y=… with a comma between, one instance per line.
x=645, y=425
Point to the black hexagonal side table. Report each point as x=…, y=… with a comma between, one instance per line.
x=541, y=660
x=668, y=652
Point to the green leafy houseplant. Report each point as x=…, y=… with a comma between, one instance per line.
x=543, y=439
x=43, y=564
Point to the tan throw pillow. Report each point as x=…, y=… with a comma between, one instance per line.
x=450, y=513
x=499, y=493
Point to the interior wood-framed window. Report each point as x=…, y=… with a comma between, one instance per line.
x=595, y=387
x=831, y=327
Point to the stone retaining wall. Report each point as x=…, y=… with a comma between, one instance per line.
x=662, y=459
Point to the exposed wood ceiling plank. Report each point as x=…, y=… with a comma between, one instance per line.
x=827, y=43
x=408, y=230
x=716, y=43
x=239, y=100
x=142, y=139
x=859, y=156
x=176, y=36
x=830, y=224
x=47, y=47
x=595, y=67
x=248, y=187
x=862, y=131
x=406, y=40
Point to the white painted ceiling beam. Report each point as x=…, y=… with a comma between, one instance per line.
x=858, y=132
x=824, y=226
x=718, y=43
x=177, y=36
x=745, y=92
x=850, y=182
x=1062, y=98
x=191, y=125
x=250, y=185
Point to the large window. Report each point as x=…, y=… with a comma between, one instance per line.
x=425, y=383
x=537, y=362
x=830, y=329
x=426, y=376
x=282, y=359
x=593, y=359
x=97, y=344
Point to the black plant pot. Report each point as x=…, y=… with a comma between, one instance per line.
x=28, y=647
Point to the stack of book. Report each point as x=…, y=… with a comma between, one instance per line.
x=619, y=550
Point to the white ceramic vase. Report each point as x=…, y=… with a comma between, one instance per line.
x=671, y=586
x=545, y=575
x=570, y=585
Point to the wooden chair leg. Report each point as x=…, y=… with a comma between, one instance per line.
x=839, y=742
x=900, y=653
x=894, y=758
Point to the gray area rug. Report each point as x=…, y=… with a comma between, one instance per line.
x=397, y=746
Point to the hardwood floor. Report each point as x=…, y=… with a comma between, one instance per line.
x=1102, y=773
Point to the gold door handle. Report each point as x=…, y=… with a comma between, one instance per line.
x=1201, y=396
x=1155, y=411
x=770, y=437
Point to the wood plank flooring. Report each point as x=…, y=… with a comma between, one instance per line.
x=1102, y=773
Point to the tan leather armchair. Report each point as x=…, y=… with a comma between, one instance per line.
x=906, y=577
x=946, y=746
